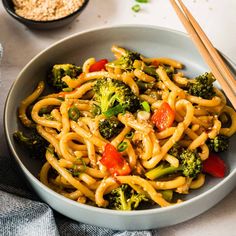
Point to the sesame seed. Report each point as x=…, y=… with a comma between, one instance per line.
x=46, y=10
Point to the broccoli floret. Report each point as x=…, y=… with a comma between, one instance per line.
x=190, y=162
x=124, y=198
x=190, y=165
x=110, y=127
x=126, y=61
x=114, y=95
x=59, y=71
x=202, y=86
x=34, y=143
x=218, y=144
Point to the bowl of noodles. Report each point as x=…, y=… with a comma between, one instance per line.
x=123, y=127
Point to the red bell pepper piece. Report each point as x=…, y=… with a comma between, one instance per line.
x=163, y=117
x=214, y=166
x=114, y=161
x=98, y=66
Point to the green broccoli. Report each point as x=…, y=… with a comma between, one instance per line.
x=59, y=71
x=190, y=166
x=126, y=61
x=34, y=143
x=191, y=163
x=110, y=127
x=124, y=198
x=114, y=97
x=161, y=170
x=218, y=144
x=202, y=86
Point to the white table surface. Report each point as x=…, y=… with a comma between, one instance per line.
x=217, y=18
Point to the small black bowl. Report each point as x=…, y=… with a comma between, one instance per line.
x=9, y=6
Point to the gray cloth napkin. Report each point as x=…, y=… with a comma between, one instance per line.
x=23, y=214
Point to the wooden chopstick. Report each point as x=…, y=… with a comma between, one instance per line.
x=209, y=58
x=218, y=59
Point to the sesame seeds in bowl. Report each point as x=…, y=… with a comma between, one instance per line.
x=45, y=10
x=45, y=14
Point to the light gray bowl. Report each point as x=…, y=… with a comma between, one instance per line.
x=150, y=41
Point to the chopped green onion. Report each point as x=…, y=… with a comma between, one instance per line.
x=67, y=89
x=146, y=106
x=130, y=135
x=136, y=8
x=114, y=111
x=74, y=113
x=96, y=110
x=142, y=1
x=122, y=146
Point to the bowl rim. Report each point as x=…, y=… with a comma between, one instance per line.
x=36, y=22
x=88, y=207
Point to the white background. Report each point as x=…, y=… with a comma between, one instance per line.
x=217, y=18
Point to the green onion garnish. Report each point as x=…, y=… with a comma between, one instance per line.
x=114, y=111
x=136, y=8
x=74, y=113
x=142, y=1
x=130, y=135
x=146, y=106
x=122, y=146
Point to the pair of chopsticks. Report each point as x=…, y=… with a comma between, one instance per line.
x=207, y=50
